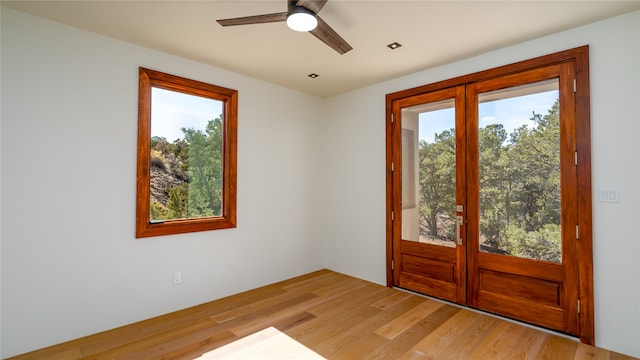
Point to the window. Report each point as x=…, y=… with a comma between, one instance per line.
x=187, y=145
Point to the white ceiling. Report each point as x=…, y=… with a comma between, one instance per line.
x=432, y=33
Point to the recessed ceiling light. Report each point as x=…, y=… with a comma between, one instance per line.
x=394, y=45
x=313, y=76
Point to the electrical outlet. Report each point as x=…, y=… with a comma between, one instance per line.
x=177, y=278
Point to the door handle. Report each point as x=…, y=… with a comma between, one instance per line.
x=459, y=220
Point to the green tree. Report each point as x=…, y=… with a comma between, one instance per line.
x=437, y=186
x=158, y=211
x=203, y=161
x=196, y=163
x=520, y=188
x=519, y=175
x=177, y=202
x=538, y=152
x=160, y=144
x=495, y=185
x=179, y=151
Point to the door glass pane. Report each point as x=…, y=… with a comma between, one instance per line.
x=519, y=171
x=429, y=173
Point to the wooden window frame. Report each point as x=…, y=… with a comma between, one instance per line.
x=229, y=97
x=580, y=57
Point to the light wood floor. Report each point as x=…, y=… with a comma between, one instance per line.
x=337, y=316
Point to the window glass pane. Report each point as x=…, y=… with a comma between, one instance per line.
x=186, y=156
x=429, y=173
x=519, y=171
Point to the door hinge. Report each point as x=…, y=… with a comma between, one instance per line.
x=392, y=118
x=392, y=265
x=393, y=167
x=393, y=216
x=575, y=85
x=578, y=306
x=577, y=232
x=575, y=157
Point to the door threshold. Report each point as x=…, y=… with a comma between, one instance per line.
x=526, y=324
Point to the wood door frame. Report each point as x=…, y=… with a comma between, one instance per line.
x=580, y=57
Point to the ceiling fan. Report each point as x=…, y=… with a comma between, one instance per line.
x=302, y=15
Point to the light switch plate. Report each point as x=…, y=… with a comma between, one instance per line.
x=609, y=194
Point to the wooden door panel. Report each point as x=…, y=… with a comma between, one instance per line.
x=441, y=253
x=425, y=284
x=436, y=269
x=523, y=267
x=514, y=288
x=547, y=316
x=541, y=292
x=428, y=269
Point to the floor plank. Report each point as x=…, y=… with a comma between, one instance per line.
x=584, y=352
x=338, y=317
x=498, y=343
x=465, y=343
x=441, y=338
x=558, y=348
x=407, y=339
x=401, y=323
x=530, y=345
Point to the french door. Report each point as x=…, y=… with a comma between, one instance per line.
x=484, y=196
x=430, y=243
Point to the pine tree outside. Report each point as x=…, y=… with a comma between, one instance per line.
x=519, y=174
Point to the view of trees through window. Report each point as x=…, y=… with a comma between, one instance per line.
x=437, y=177
x=519, y=172
x=186, y=172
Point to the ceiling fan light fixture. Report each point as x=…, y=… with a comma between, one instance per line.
x=301, y=19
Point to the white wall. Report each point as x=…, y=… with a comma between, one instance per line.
x=353, y=226
x=311, y=180
x=70, y=263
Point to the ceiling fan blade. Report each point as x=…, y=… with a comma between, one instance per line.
x=255, y=19
x=313, y=5
x=327, y=35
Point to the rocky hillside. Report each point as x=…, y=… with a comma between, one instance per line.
x=161, y=182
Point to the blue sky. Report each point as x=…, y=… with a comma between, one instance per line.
x=172, y=110
x=511, y=112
